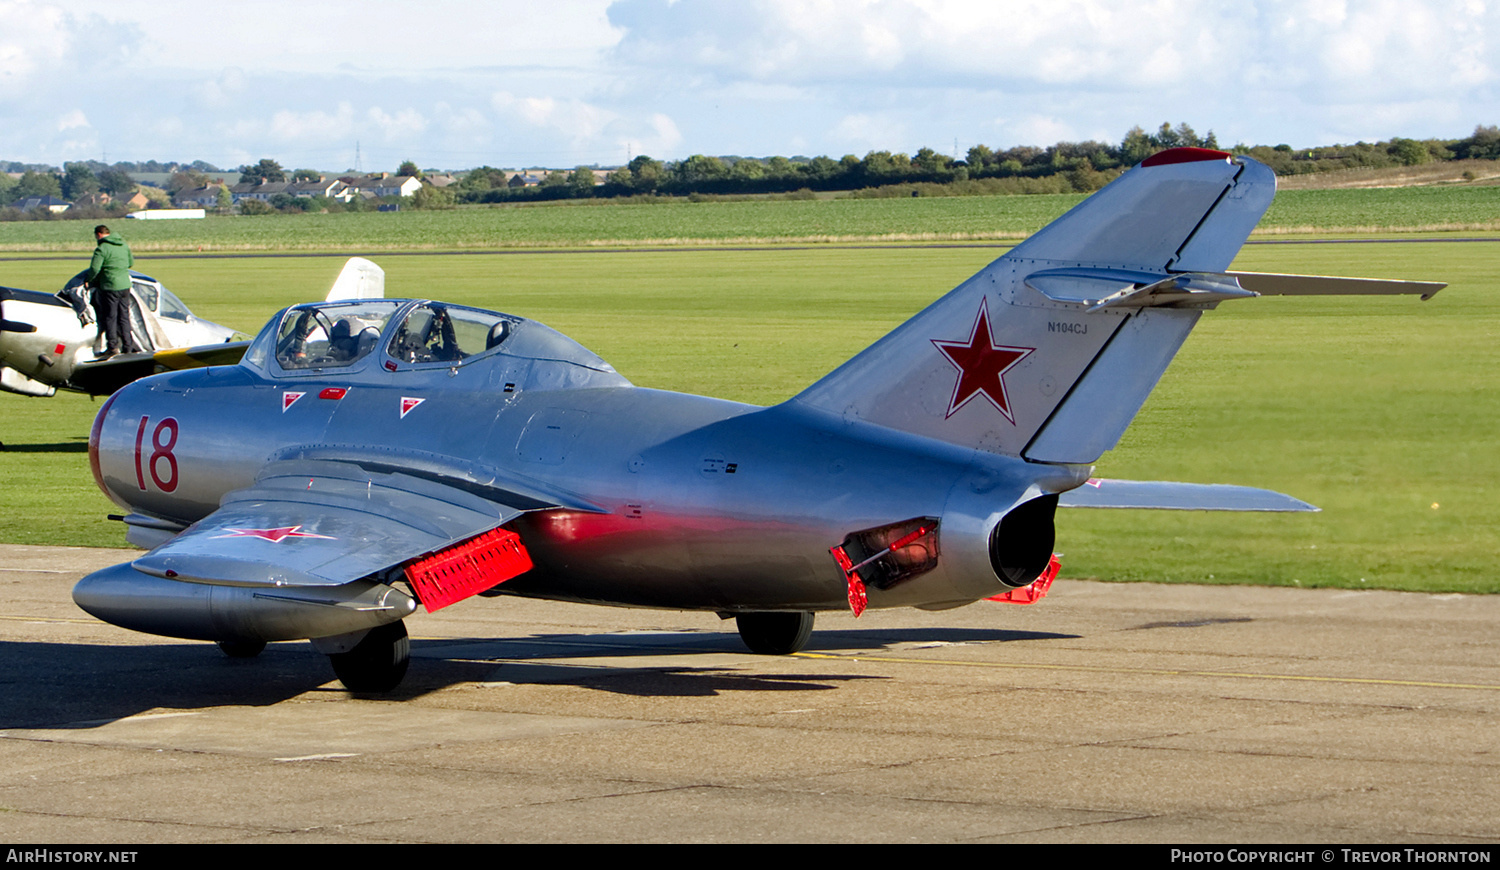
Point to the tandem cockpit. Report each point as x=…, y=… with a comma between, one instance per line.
x=394, y=335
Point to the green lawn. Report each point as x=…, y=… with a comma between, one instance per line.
x=1380, y=411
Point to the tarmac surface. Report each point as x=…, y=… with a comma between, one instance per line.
x=1106, y=713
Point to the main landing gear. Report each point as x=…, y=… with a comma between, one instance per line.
x=378, y=662
x=775, y=633
x=242, y=649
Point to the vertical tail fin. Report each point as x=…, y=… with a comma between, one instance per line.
x=359, y=279
x=1048, y=352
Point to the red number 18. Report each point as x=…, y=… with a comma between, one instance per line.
x=161, y=450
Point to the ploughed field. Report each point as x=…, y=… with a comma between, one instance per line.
x=1380, y=411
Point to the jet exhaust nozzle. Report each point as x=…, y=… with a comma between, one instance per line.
x=1021, y=543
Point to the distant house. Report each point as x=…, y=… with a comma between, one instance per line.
x=325, y=187
x=525, y=179
x=98, y=199
x=393, y=185
x=439, y=179
x=381, y=184
x=206, y=196
x=50, y=203
x=263, y=192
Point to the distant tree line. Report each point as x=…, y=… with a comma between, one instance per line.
x=1061, y=168
x=1066, y=167
x=123, y=166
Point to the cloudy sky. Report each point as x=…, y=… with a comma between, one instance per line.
x=457, y=83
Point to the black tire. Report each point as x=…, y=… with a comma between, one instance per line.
x=242, y=649
x=775, y=633
x=377, y=663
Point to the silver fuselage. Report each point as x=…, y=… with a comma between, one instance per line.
x=667, y=500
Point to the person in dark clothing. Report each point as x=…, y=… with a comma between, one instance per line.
x=109, y=274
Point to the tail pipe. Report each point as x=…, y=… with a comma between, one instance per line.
x=1021, y=543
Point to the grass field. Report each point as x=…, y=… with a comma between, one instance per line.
x=571, y=224
x=1381, y=411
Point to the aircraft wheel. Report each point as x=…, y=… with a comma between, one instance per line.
x=377, y=663
x=242, y=649
x=775, y=633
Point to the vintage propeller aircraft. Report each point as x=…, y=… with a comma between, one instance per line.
x=45, y=338
x=366, y=458
x=50, y=342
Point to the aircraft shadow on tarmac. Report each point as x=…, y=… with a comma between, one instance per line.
x=54, y=685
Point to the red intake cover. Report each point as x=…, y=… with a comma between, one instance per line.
x=468, y=568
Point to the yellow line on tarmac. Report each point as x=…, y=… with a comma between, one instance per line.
x=79, y=620
x=1151, y=671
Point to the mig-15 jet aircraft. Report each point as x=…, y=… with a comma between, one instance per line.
x=367, y=458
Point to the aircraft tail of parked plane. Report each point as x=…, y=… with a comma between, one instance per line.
x=359, y=279
x=1048, y=353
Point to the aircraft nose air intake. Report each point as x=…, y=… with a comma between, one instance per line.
x=95, y=434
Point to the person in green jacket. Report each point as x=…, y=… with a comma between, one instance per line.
x=109, y=274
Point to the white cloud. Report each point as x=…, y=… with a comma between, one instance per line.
x=35, y=37
x=579, y=81
x=576, y=120
x=221, y=90
x=1262, y=71
x=72, y=120
x=864, y=40
x=403, y=128
x=1040, y=129
x=310, y=36
x=862, y=133
x=657, y=134
x=315, y=126
x=460, y=121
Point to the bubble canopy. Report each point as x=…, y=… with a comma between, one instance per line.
x=403, y=334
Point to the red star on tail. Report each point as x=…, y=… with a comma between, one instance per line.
x=981, y=365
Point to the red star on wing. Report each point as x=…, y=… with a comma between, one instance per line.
x=981, y=365
x=275, y=536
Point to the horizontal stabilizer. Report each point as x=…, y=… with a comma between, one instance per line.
x=1168, y=496
x=1119, y=288
x=1101, y=288
x=1271, y=284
